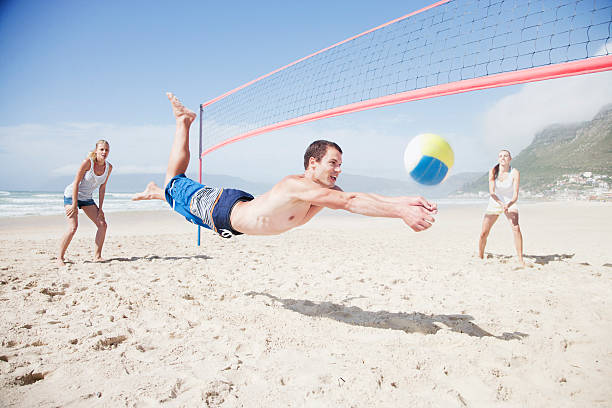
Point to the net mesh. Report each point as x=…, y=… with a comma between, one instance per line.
x=454, y=41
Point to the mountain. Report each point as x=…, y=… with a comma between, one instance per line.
x=132, y=183
x=390, y=187
x=349, y=182
x=562, y=149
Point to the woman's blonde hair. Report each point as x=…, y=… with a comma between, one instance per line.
x=92, y=154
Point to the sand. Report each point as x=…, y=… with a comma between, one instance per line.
x=346, y=311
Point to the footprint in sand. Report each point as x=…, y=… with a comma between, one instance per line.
x=29, y=378
x=174, y=391
x=109, y=343
x=217, y=393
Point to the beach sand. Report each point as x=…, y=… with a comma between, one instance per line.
x=346, y=311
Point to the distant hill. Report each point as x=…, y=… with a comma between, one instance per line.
x=137, y=182
x=390, y=187
x=562, y=149
x=131, y=183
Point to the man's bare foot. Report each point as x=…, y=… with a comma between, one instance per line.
x=98, y=259
x=179, y=110
x=152, y=192
x=60, y=262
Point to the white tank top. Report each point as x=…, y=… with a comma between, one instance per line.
x=89, y=183
x=504, y=190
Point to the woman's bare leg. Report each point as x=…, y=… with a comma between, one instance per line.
x=513, y=217
x=92, y=212
x=487, y=224
x=73, y=224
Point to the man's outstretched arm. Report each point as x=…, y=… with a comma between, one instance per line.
x=416, y=216
x=407, y=200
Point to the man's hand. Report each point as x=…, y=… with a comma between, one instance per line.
x=421, y=201
x=418, y=217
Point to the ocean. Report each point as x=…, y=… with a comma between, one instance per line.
x=26, y=203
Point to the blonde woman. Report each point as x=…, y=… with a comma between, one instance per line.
x=504, y=190
x=92, y=174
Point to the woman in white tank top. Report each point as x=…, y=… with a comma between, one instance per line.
x=92, y=175
x=504, y=189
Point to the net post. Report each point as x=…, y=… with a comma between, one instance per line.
x=200, y=161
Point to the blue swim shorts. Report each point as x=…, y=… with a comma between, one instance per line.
x=209, y=207
x=80, y=203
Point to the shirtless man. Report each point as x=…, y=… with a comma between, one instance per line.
x=290, y=203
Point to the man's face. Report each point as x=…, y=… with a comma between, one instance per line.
x=327, y=170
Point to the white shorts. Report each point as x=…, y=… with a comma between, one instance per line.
x=495, y=208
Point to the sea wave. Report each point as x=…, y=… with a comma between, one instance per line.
x=120, y=195
x=460, y=201
x=27, y=200
x=25, y=203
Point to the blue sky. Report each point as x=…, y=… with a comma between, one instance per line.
x=73, y=72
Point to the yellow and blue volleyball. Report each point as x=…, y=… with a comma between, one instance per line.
x=428, y=159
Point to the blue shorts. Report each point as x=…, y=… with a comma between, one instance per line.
x=206, y=206
x=80, y=203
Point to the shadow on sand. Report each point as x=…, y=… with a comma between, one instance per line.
x=408, y=322
x=152, y=257
x=539, y=259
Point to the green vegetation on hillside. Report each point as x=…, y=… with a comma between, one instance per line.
x=562, y=149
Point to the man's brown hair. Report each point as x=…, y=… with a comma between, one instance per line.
x=317, y=149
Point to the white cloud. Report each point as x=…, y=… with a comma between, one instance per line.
x=66, y=170
x=142, y=169
x=373, y=141
x=37, y=151
x=514, y=120
x=70, y=169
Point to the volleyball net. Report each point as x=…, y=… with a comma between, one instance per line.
x=449, y=47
